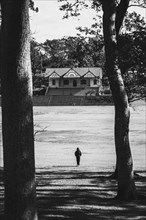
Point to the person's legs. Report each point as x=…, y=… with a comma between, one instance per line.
x=78, y=160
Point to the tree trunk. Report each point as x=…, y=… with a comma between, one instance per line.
x=17, y=114
x=126, y=186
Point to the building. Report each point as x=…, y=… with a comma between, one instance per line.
x=70, y=79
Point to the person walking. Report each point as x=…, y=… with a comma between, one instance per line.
x=78, y=155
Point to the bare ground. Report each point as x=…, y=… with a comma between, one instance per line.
x=76, y=194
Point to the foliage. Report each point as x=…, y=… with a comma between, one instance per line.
x=132, y=44
x=67, y=52
x=32, y=6
x=132, y=55
x=74, y=7
x=38, y=60
x=35, y=56
x=89, y=51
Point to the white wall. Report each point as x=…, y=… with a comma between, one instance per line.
x=56, y=84
x=71, y=83
x=92, y=83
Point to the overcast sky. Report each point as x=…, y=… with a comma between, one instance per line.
x=48, y=22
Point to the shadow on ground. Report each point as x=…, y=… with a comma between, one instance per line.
x=75, y=194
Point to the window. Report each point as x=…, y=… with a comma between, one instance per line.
x=53, y=82
x=66, y=82
x=74, y=83
x=95, y=81
x=83, y=82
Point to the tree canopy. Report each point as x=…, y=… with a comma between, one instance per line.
x=74, y=7
x=88, y=50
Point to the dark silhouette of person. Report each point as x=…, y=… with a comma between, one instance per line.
x=78, y=155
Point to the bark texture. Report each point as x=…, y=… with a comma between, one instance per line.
x=126, y=186
x=17, y=114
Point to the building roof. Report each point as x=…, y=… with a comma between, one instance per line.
x=74, y=72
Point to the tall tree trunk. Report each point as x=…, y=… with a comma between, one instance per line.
x=17, y=114
x=126, y=186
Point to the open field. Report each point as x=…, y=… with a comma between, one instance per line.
x=65, y=191
x=60, y=130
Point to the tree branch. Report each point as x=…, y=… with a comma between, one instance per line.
x=120, y=14
x=39, y=131
x=32, y=7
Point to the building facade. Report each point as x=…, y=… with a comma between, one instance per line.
x=74, y=77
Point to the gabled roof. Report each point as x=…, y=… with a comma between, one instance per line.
x=89, y=74
x=58, y=71
x=71, y=73
x=54, y=75
x=84, y=71
x=74, y=72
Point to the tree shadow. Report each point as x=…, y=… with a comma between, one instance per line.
x=78, y=195
x=75, y=194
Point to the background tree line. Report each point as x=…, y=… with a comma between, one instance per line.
x=87, y=49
